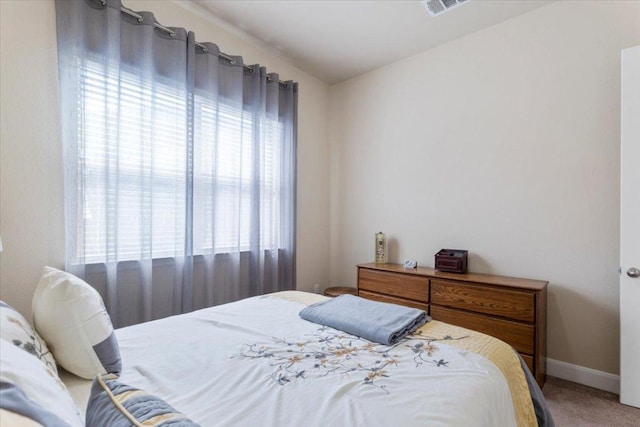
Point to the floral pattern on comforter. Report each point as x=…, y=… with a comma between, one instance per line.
x=332, y=352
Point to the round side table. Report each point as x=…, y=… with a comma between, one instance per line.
x=340, y=290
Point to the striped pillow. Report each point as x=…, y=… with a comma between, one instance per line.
x=114, y=404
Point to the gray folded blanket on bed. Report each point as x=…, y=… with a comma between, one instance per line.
x=375, y=321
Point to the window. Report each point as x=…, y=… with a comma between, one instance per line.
x=132, y=166
x=179, y=165
x=227, y=164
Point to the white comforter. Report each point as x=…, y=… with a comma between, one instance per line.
x=256, y=363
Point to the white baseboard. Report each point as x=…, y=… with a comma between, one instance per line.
x=585, y=376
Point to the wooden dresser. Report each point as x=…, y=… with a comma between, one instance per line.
x=512, y=309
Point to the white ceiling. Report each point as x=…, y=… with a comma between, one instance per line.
x=337, y=40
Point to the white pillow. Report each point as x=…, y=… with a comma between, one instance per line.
x=15, y=329
x=69, y=314
x=20, y=371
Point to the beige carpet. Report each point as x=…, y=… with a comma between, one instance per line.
x=575, y=405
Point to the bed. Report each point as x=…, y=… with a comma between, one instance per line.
x=256, y=362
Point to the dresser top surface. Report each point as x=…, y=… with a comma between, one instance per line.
x=488, y=279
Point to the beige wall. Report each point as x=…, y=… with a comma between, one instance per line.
x=505, y=143
x=31, y=181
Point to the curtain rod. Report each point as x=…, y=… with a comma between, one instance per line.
x=173, y=33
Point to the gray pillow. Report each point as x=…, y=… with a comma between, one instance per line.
x=114, y=404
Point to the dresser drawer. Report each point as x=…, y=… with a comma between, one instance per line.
x=394, y=284
x=518, y=305
x=393, y=300
x=519, y=335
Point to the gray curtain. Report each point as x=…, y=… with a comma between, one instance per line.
x=179, y=165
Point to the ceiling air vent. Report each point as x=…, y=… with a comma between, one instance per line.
x=437, y=7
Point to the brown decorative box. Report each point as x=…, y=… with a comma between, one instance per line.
x=452, y=260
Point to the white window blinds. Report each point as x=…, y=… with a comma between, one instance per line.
x=133, y=169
